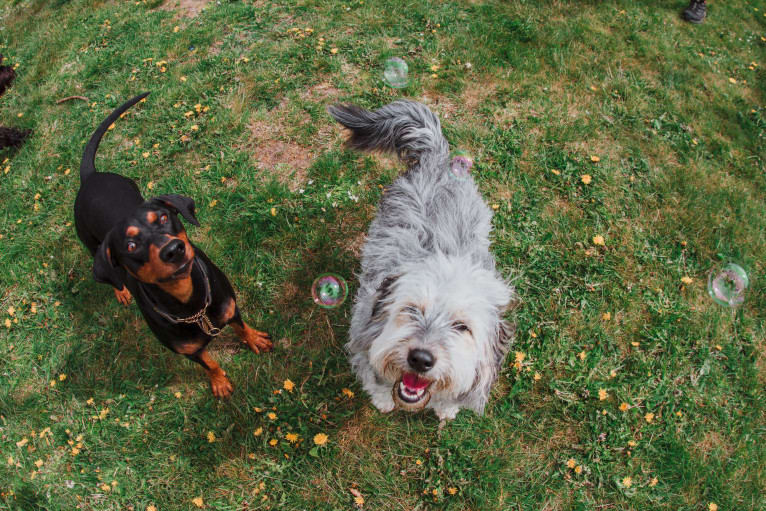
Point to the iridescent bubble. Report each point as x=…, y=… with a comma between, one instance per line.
x=329, y=290
x=395, y=73
x=460, y=165
x=727, y=285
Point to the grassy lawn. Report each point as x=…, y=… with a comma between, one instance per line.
x=627, y=388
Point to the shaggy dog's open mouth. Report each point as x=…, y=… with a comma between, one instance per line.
x=412, y=392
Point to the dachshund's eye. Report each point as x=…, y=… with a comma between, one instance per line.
x=459, y=326
x=131, y=246
x=163, y=218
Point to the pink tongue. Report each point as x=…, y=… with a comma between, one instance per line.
x=413, y=381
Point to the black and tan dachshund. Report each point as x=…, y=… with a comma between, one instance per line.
x=140, y=247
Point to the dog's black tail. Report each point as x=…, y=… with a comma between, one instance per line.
x=88, y=164
x=406, y=127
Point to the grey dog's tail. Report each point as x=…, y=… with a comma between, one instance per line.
x=406, y=127
x=88, y=163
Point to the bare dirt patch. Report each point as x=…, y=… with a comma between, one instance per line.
x=186, y=8
x=287, y=160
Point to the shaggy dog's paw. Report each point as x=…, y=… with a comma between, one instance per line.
x=383, y=402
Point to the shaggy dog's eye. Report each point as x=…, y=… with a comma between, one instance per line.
x=460, y=327
x=163, y=218
x=131, y=246
x=411, y=310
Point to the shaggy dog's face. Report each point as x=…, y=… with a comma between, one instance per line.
x=441, y=332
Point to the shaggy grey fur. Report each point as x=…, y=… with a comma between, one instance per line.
x=428, y=279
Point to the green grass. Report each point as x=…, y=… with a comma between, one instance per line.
x=679, y=188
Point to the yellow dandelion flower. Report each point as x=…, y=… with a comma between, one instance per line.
x=649, y=417
x=520, y=356
x=627, y=481
x=258, y=432
x=7, y=323
x=62, y=377
x=537, y=376
x=732, y=80
x=623, y=407
x=359, y=501
x=348, y=393
x=586, y=179
x=602, y=394
x=320, y=439
x=194, y=127
x=257, y=410
x=595, y=159
x=582, y=355
x=686, y=280
x=197, y=501
x=571, y=463
x=334, y=51
x=273, y=442
x=273, y=211
x=653, y=482
x=11, y=461
x=272, y=416
x=213, y=203
x=598, y=240
x=177, y=395
x=67, y=171
x=578, y=469
x=210, y=437
x=712, y=506
x=39, y=463
x=452, y=490
x=151, y=507
x=288, y=385
x=418, y=462
x=175, y=29
x=555, y=172
x=291, y=437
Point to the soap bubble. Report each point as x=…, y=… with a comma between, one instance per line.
x=395, y=73
x=329, y=290
x=460, y=165
x=727, y=285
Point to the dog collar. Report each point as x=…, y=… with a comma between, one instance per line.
x=200, y=318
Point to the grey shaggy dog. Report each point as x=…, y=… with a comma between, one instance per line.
x=427, y=327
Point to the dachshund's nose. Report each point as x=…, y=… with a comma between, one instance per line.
x=173, y=251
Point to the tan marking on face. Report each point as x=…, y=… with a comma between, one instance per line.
x=132, y=231
x=151, y=217
x=156, y=269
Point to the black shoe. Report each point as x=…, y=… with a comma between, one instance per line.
x=696, y=11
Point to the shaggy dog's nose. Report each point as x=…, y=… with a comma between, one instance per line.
x=421, y=360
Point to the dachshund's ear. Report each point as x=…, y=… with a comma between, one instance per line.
x=105, y=266
x=180, y=204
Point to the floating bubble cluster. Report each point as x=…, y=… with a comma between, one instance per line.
x=460, y=165
x=395, y=73
x=329, y=290
x=727, y=285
